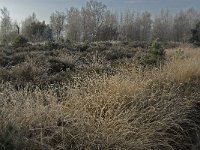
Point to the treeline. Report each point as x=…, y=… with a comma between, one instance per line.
x=95, y=22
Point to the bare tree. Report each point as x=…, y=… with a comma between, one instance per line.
x=73, y=26
x=93, y=15
x=129, y=25
x=162, y=26
x=184, y=21
x=6, y=25
x=125, y=25
x=57, y=21
x=109, y=29
x=146, y=24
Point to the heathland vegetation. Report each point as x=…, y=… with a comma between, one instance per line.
x=96, y=80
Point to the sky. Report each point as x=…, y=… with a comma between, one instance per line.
x=20, y=9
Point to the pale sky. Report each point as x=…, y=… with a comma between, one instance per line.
x=20, y=9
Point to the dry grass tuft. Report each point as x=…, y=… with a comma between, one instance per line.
x=152, y=109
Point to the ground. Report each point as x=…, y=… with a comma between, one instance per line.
x=97, y=97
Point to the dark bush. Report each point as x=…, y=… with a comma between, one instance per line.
x=100, y=47
x=10, y=139
x=82, y=47
x=170, y=45
x=20, y=41
x=125, y=43
x=56, y=66
x=51, y=45
x=23, y=73
x=4, y=75
x=139, y=44
x=119, y=54
x=6, y=61
x=196, y=35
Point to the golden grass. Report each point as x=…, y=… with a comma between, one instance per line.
x=184, y=68
x=131, y=110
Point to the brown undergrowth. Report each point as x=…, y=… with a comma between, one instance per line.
x=132, y=110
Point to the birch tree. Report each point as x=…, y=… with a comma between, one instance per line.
x=57, y=21
x=93, y=15
x=6, y=25
x=73, y=27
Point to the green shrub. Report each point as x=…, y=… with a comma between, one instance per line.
x=153, y=57
x=61, y=40
x=157, y=50
x=20, y=41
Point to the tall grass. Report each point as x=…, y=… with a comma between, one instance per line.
x=136, y=110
